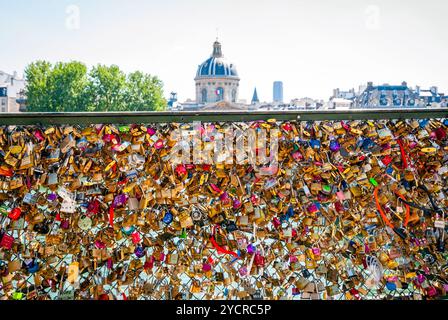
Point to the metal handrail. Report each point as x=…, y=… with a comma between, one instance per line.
x=53, y=118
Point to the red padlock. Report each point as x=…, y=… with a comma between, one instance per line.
x=276, y=222
x=295, y=291
x=94, y=207
x=15, y=214
x=339, y=207
x=386, y=160
x=65, y=224
x=136, y=238
x=440, y=134
x=149, y=264
x=181, y=170
x=7, y=242
x=259, y=260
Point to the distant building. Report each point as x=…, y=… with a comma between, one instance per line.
x=278, y=92
x=12, y=90
x=430, y=95
x=217, y=86
x=216, y=79
x=390, y=96
x=348, y=95
x=255, y=99
x=304, y=104
x=339, y=104
x=172, y=102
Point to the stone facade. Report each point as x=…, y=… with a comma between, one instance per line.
x=216, y=89
x=217, y=79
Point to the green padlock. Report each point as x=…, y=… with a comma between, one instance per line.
x=123, y=128
x=17, y=295
x=4, y=210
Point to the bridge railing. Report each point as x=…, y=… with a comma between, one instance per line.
x=323, y=205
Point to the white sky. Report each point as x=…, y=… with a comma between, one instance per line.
x=312, y=46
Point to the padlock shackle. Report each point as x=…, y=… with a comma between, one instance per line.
x=383, y=214
x=220, y=249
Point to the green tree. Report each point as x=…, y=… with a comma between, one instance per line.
x=106, y=89
x=68, y=83
x=38, y=91
x=144, y=92
x=55, y=88
x=69, y=87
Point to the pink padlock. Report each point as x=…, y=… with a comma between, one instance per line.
x=206, y=267
x=243, y=271
x=431, y=291
x=65, y=224
x=99, y=244
x=276, y=222
x=312, y=208
x=297, y=156
x=39, y=135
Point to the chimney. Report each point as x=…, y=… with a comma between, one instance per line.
x=404, y=84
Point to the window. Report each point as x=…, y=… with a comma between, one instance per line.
x=219, y=94
x=3, y=102
x=204, y=95
x=233, y=95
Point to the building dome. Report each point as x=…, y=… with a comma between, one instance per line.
x=217, y=65
x=216, y=79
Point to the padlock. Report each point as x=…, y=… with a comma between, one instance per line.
x=7, y=241
x=15, y=214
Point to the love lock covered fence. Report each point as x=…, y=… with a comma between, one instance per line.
x=256, y=205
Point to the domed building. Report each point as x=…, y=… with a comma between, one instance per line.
x=217, y=79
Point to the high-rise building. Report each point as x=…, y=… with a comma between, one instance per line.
x=278, y=91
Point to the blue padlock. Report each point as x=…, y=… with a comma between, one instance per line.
x=128, y=230
x=33, y=267
x=315, y=144
x=284, y=218
x=423, y=123
x=139, y=252
x=290, y=212
x=391, y=286
x=168, y=218
x=367, y=143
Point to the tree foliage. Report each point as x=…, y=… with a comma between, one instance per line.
x=70, y=87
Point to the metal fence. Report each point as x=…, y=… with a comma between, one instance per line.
x=326, y=259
